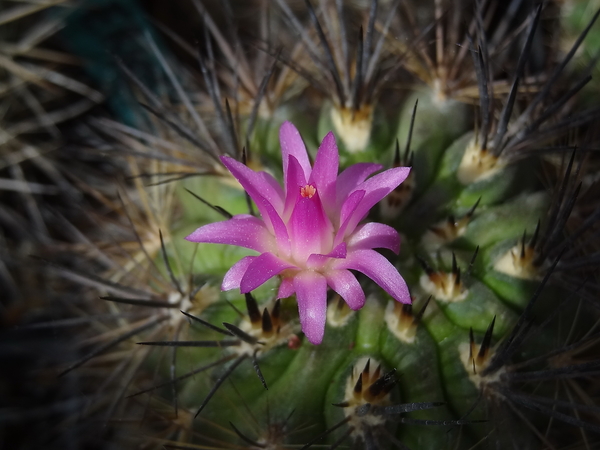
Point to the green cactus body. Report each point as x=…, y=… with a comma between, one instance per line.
x=304, y=380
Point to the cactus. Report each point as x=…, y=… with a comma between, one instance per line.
x=495, y=343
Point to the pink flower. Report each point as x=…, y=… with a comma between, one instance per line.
x=309, y=233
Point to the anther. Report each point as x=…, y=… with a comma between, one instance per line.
x=308, y=191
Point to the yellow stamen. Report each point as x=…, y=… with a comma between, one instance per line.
x=308, y=191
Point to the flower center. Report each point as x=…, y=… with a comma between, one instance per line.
x=308, y=191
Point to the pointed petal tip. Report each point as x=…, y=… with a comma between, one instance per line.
x=329, y=139
x=347, y=286
x=404, y=295
x=292, y=144
x=262, y=268
x=314, y=339
x=287, y=129
x=380, y=270
x=194, y=236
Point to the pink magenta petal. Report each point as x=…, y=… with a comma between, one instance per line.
x=261, y=269
x=293, y=183
x=379, y=269
x=309, y=228
x=374, y=235
x=325, y=171
x=317, y=261
x=292, y=144
x=350, y=205
x=286, y=288
x=276, y=197
x=345, y=283
x=376, y=188
x=242, y=230
x=348, y=209
x=234, y=275
x=279, y=229
x=257, y=184
x=350, y=178
x=311, y=294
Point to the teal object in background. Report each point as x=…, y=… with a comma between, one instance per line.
x=99, y=31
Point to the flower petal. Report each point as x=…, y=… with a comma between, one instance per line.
x=241, y=230
x=347, y=210
x=292, y=144
x=379, y=269
x=234, y=275
x=268, y=201
x=309, y=228
x=271, y=218
x=375, y=189
x=260, y=270
x=350, y=178
x=276, y=197
x=325, y=171
x=311, y=294
x=374, y=235
x=317, y=261
x=257, y=184
x=286, y=288
x=345, y=283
